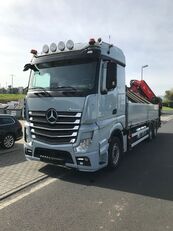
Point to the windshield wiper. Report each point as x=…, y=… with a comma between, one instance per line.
x=65, y=87
x=42, y=91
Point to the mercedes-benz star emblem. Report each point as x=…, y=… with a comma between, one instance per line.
x=51, y=116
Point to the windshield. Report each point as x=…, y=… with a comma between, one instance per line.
x=68, y=76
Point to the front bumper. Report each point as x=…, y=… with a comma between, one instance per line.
x=63, y=155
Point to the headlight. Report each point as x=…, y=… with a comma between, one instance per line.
x=83, y=146
x=27, y=135
x=85, y=142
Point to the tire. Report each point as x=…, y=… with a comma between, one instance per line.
x=8, y=141
x=150, y=132
x=155, y=131
x=114, y=153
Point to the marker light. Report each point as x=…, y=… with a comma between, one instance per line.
x=34, y=52
x=53, y=47
x=92, y=41
x=99, y=40
x=45, y=48
x=70, y=44
x=61, y=45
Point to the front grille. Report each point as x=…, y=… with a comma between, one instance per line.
x=63, y=131
x=53, y=156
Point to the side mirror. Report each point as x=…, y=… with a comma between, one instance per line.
x=26, y=67
x=29, y=66
x=103, y=79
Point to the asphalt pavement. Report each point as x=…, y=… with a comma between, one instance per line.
x=16, y=173
x=137, y=196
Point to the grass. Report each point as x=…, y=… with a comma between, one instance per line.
x=4, y=98
x=167, y=109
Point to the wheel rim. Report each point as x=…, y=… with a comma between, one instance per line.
x=115, y=154
x=150, y=134
x=8, y=141
x=155, y=131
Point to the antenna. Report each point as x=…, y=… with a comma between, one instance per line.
x=110, y=45
x=109, y=39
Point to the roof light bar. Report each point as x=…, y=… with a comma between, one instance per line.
x=54, y=47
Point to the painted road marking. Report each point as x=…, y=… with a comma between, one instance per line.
x=166, y=118
x=25, y=194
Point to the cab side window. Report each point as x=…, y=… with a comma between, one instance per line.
x=111, y=79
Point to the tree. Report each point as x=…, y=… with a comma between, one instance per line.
x=3, y=91
x=169, y=95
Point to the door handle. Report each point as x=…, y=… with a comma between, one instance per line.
x=114, y=111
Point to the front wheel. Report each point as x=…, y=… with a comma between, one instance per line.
x=8, y=141
x=114, y=153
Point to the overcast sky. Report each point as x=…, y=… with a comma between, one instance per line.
x=142, y=29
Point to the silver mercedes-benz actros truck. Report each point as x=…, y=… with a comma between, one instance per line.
x=77, y=110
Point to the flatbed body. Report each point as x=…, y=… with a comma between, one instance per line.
x=138, y=113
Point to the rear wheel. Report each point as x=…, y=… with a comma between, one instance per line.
x=155, y=130
x=150, y=132
x=8, y=141
x=115, y=153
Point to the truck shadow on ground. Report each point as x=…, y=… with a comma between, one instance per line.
x=12, y=156
x=146, y=170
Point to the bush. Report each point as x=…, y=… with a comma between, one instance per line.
x=4, y=98
x=168, y=104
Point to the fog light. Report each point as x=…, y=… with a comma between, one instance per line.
x=83, y=161
x=28, y=151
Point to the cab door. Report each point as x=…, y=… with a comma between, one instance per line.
x=107, y=107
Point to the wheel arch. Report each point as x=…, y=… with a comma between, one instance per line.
x=117, y=132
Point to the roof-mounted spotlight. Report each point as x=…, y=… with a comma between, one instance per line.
x=61, y=45
x=53, y=47
x=70, y=44
x=45, y=49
